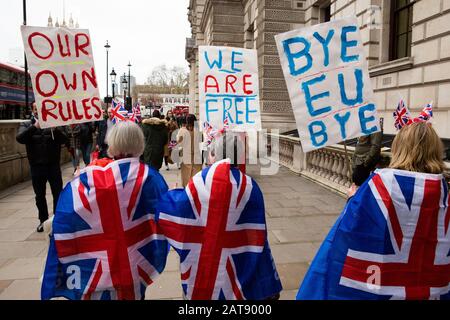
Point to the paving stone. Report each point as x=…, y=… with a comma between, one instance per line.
x=18, y=198
x=22, y=268
x=22, y=289
x=288, y=294
x=11, y=235
x=11, y=250
x=4, y=284
x=291, y=274
x=293, y=252
x=167, y=286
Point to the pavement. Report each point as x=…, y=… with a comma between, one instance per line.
x=299, y=214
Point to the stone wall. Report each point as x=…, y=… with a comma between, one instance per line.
x=14, y=167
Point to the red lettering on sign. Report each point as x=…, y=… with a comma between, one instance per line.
x=72, y=85
x=65, y=109
x=247, y=83
x=31, y=45
x=97, y=107
x=230, y=80
x=75, y=112
x=38, y=83
x=61, y=46
x=80, y=46
x=46, y=111
x=215, y=85
x=85, y=75
x=86, y=108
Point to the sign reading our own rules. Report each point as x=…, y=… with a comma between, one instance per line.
x=63, y=75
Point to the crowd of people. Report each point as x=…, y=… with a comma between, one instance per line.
x=416, y=152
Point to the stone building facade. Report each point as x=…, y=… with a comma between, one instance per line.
x=407, y=45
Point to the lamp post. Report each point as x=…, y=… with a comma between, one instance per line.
x=113, y=81
x=124, y=85
x=129, y=83
x=107, y=46
x=25, y=58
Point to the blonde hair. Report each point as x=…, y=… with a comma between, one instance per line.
x=125, y=139
x=417, y=148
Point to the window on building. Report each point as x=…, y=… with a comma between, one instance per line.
x=325, y=13
x=401, y=28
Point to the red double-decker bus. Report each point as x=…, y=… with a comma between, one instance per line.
x=12, y=92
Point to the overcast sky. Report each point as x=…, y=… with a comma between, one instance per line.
x=146, y=32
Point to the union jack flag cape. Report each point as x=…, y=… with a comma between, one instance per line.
x=105, y=243
x=217, y=226
x=392, y=241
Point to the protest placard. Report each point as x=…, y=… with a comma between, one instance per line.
x=63, y=75
x=328, y=82
x=229, y=88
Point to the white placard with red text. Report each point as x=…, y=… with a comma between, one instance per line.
x=62, y=70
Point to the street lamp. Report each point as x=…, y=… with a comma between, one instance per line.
x=129, y=84
x=107, y=46
x=124, y=85
x=113, y=81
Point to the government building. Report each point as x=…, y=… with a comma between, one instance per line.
x=406, y=43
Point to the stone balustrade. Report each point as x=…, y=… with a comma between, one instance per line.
x=14, y=167
x=328, y=166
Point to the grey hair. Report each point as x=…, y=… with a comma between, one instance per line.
x=228, y=146
x=125, y=139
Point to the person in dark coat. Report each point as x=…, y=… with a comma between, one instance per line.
x=86, y=140
x=156, y=136
x=44, y=153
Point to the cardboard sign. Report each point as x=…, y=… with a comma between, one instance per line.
x=328, y=81
x=63, y=75
x=229, y=88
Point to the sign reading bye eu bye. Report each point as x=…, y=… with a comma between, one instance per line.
x=328, y=83
x=228, y=87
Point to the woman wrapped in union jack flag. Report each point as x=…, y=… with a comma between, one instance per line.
x=392, y=240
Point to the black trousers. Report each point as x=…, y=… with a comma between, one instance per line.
x=361, y=173
x=40, y=174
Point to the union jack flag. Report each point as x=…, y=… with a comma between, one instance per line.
x=401, y=115
x=391, y=242
x=119, y=113
x=137, y=112
x=427, y=113
x=105, y=243
x=217, y=226
x=211, y=133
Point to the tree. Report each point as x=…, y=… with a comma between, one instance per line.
x=162, y=76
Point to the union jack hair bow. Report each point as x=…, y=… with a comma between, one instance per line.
x=402, y=116
x=211, y=133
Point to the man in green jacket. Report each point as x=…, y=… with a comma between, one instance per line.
x=366, y=156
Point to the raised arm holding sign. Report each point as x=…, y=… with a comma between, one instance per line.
x=328, y=82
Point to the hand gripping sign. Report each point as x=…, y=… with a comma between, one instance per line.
x=228, y=88
x=328, y=82
x=63, y=75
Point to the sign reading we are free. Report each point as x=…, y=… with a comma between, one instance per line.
x=228, y=87
x=63, y=75
x=328, y=82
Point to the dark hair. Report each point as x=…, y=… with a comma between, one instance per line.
x=190, y=119
x=156, y=114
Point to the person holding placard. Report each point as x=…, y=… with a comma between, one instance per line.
x=44, y=152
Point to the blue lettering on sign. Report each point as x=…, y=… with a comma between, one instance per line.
x=234, y=62
x=309, y=98
x=325, y=42
x=359, y=88
x=345, y=44
x=363, y=120
x=248, y=110
x=208, y=110
x=226, y=109
x=322, y=132
x=342, y=120
x=292, y=56
x=217, y=62
x=238, y=112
